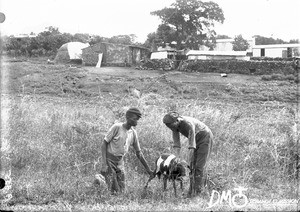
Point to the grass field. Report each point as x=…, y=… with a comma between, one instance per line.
x=54, y=118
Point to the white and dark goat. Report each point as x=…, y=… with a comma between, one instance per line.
x=170, y=168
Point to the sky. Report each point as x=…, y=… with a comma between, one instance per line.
x=107, y=18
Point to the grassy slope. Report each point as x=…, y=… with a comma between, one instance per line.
x=59, y=114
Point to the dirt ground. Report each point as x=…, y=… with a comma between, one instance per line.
x=234, y=87
x=173, y=75
x=38, y=77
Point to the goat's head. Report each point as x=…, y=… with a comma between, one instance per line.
x=179, y=168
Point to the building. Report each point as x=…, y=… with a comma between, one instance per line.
x=164, y=52
x=226, y=45
x=276, y=50
x=114, y=54
x=217, y=55
x=19, y=36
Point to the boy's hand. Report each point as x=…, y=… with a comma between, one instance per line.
x=151, y=174
x=104, y=168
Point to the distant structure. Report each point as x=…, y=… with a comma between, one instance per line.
x=70, y=52
x=164, y=52
x=113, y=54
x=31, y=35
x=226, y=45
x=276, y=50
x=217, y=55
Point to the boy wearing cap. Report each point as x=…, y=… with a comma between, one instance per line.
x=114, y=147
x=200, y=143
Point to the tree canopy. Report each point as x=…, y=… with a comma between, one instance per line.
x=47, y=43
x=240, y=44
x=261, y=40
x=189, y=22
x=123, y=39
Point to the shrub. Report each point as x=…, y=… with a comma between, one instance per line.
x=239, y=67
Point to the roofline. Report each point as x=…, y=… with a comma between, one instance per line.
x=217, y=53
x=130, y=45
x=276, y=45
x=134, y=46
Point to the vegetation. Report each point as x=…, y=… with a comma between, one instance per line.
x=47, y=43
x=189, y=23
x=55, y=136
x=256, y=67
x=261, y=40
x=240, y=44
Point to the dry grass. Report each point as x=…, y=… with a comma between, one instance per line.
x=56, y=149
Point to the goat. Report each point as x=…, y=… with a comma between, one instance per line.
x=171, y=168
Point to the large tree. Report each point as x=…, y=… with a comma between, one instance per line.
x=192, y=20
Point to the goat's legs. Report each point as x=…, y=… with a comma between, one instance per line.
x=165, y=183
x=174, y=186
x=181, y=185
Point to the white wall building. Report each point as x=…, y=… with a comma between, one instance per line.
x=226, y=45
x=276, y=50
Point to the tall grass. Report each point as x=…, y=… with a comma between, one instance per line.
x=55, y=148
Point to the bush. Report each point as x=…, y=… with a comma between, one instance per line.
x=279, y=77
x=239, y=67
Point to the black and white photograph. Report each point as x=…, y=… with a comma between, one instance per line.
x=150, y=105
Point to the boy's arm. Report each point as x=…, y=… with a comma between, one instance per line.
x=139, y=154
x=141, y=157
x=177, y=144
x=192, y=143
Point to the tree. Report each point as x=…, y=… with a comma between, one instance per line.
x=81, y=37
x=294, y=41
x=165, y=34
x=97, y=39
x=191, y=20
x=261, y=40
x=50, y=40
x=123, y=39
x=240, y=44
x=151, y=41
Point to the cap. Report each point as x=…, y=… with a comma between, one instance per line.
x=134, y=110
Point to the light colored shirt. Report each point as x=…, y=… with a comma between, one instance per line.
x=119, y=139
x=189, y=127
